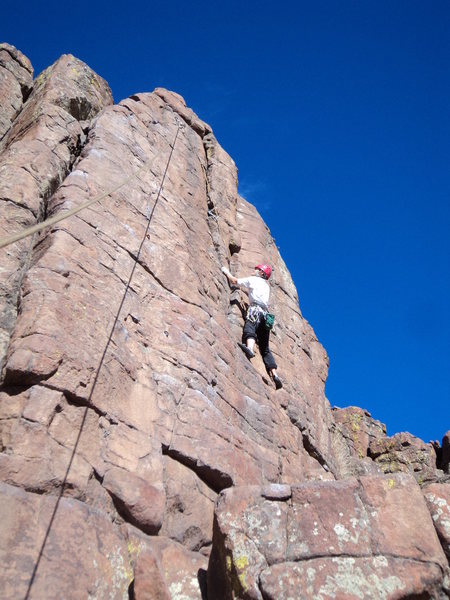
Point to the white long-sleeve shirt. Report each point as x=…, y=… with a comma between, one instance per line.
x=258, y=290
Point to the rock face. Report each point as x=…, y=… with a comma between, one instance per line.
x=437, y=496
x=405, y=453
x=125, y=401
x=16, y=80
x=326, y=539
x=354, y=431
x=40, y=141
x=85, y=555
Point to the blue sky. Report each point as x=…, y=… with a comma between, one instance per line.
x=336, y=113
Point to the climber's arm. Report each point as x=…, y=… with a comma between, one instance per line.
x=233, y=280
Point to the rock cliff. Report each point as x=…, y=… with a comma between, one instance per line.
x=142, y=454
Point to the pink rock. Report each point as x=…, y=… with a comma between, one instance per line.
x=16, y=80
x=437, y=496
x=42, y=142
x=165, y=569
x=363, y=531
x=75, y=552
x=351, y=578
x=358, y=430
x=149, y=581
x=122, y=381
x=405, y=453
x=189, y=511
x=141, y=503
x=146, y=388
x=177, y=103
x=37, y=455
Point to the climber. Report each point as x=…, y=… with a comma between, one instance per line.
x=256, y=327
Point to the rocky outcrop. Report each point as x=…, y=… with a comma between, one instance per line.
x=405, y=453
x=437, y=496
x=353, y=431
x=16, y=80
x=40, y=142
x=125, y=400
x=326, y=539
x=164, y=569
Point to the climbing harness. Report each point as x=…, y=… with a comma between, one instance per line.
x=255, y=312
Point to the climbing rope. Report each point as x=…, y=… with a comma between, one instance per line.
x=102, y=360
x=11, y=239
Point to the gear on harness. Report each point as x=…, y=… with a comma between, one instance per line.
x=270, y=320
x=253, y=313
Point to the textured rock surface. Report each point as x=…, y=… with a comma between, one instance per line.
x=172, y=372
x=334, y=538
x=437, y=496
x=405, y=453
x=359, y=428
x=16, y=80
x=352, y=578
x=84, y=556
x=165, y=569
x=122, y=385
x=37, y=151
x=354, y=431
x=189, y=507
x=141, y=503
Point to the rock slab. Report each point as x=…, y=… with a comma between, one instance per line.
x=81, y=555
x=343, y=539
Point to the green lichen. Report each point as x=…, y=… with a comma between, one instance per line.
x=133, y=551
x=241, y=564
x=228, y=563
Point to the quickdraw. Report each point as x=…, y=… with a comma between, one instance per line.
x=256, y=312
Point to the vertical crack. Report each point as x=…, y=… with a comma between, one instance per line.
x=13, y=285
x=212, y=211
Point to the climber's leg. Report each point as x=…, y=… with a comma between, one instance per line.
x=269, y=361
x=248, y=338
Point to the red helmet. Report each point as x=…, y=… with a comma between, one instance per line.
x=265, y=269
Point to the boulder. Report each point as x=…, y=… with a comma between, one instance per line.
x=141, y=503
x=334, y=538
x=437, y=496
x=405, y=453
x=189, y=512
x=164, y=569
x=353, y=431
x=359, y=429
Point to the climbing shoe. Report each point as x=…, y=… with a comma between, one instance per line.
x=248, y=353
x=277, y=382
